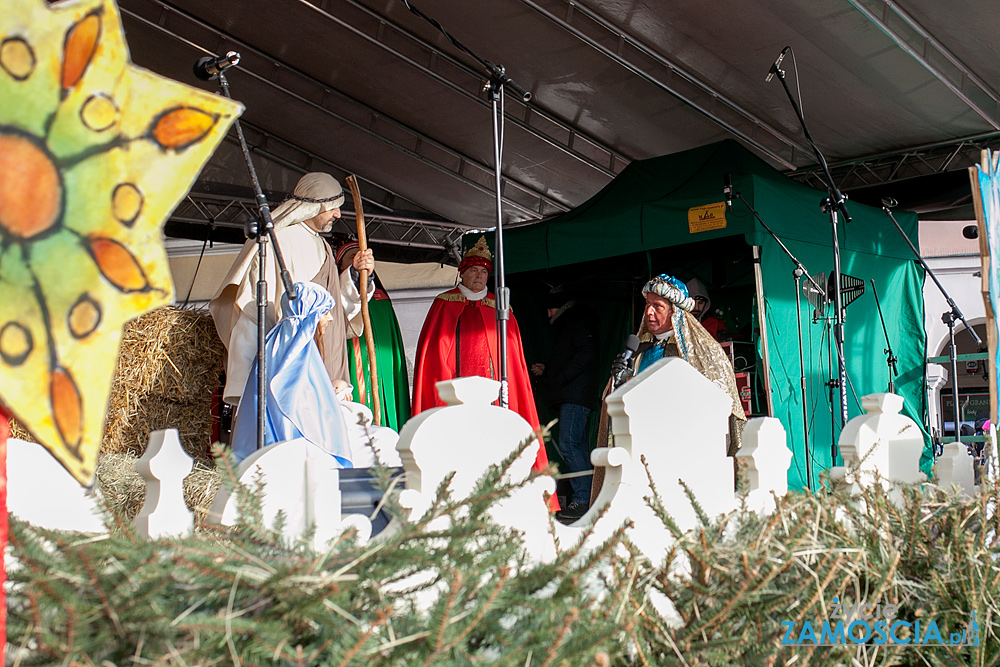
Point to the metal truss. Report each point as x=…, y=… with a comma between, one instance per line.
x=228, y=213
x=295, y=158
x=898, y=166
x=216, y=210
x=353, y=113
x=225, y=208
x=920, y=44
x=408, y=232
x=646, y=62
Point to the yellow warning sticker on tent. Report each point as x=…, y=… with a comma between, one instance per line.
x=706, y=218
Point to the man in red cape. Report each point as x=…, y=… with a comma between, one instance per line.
x=459, y=339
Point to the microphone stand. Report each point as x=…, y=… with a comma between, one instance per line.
x=834, y=202
x=494, y=88
x=891, y=358
x=254, y=230
x=949, y=318
x=797, y=275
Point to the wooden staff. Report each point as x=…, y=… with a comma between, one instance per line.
x=359, y=216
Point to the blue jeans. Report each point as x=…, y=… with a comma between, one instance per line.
x=575, y=449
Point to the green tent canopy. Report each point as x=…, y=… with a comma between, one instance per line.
x=675, y=200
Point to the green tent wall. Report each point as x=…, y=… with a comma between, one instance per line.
x=646, y=207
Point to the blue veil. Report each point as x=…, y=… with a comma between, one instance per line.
x=300, y=401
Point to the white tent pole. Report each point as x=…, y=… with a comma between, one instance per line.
x=762, y=323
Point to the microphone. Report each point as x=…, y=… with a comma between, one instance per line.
x=889, y=202
x=210, y=67
x=727, y=189
x=777, y=63
x=623, y=372
x=970, y=232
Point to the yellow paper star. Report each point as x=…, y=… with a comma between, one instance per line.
x=94, y=154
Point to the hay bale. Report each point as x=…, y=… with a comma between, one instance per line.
x=169, y=367
x=19, y=432
x=129, y=426
x=169, y=352
x=124, y=490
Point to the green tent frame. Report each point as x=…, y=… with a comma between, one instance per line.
x=655, y=203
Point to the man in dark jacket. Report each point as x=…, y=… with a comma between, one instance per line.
x=570, y=379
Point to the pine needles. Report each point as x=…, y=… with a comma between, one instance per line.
x=455, y=588
x=735, y=581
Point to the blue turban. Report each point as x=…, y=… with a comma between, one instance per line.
x=676, y=292
x=670, y=289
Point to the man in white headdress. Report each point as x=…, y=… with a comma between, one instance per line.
x=298, y=222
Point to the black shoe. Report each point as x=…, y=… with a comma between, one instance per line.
x=573, y=512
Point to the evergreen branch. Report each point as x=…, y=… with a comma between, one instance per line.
x=368, y=553
x=632, y=568
x=695, y=505
x=551, y=654
x=180, y=601
x=607, y=547
x=666, y=634
x=401, y=641
x=638, y=650
x=837, y=558
x=365, y=636
x=656, y=505
x=101, y=594
x=484, y=608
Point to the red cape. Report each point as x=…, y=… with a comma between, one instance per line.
x=435, y=359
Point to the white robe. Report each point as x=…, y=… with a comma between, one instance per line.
x=234, y=307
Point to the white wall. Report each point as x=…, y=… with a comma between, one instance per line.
x=959, y=277
x=956, y=262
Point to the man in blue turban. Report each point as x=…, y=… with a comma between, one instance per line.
x=670, y=329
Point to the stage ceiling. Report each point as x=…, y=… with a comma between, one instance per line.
x=900, y=96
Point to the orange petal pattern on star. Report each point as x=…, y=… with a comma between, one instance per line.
x=181, y=127
x=81, y=43
x=67, y=408
x=94, y=154
x=118, y=265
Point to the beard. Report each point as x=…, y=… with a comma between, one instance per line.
x=319, y=225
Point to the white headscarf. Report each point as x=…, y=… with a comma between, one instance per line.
x=314, y=193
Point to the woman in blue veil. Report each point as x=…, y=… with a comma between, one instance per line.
x=300, y=400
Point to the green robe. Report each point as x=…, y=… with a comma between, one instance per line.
x=394, y=390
